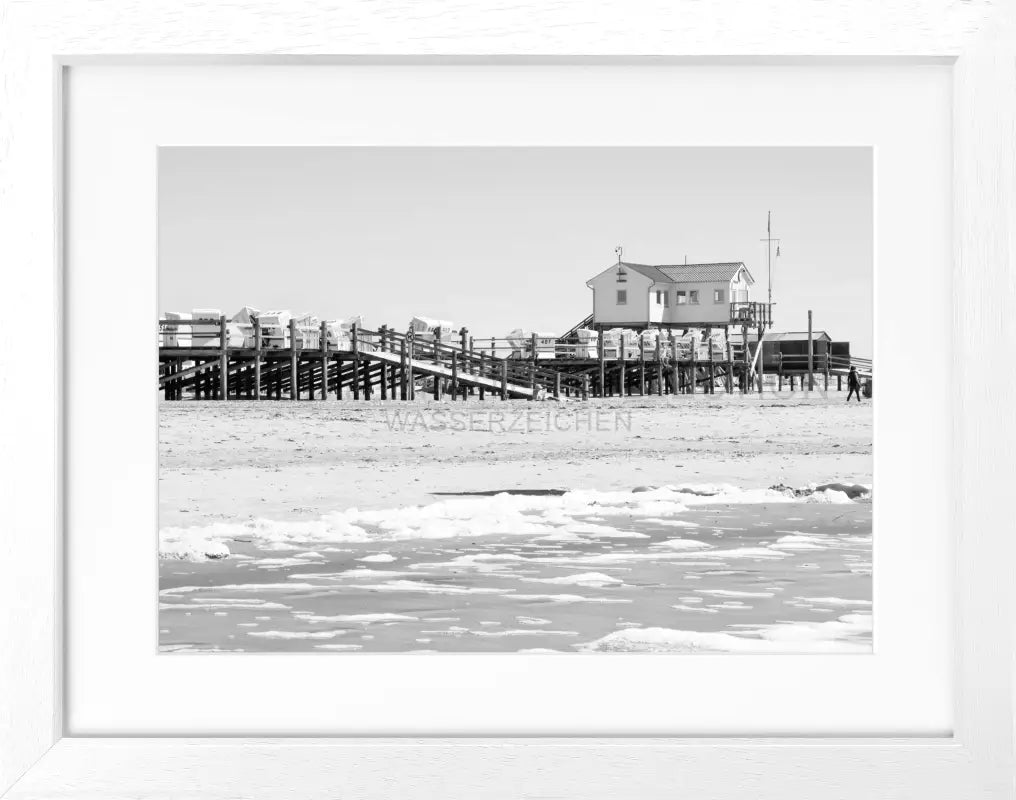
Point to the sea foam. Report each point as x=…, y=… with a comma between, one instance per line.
x=565, y=515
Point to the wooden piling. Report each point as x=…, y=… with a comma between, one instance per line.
x=760, y=372
x=779, y=372
x=223, y=360
x=483, y=367
x=642, y=368
x=557, y=385
x=711, y=386
x=730, y=360
x=811, y=357
x=504, y=380
x=354, y=346
x=383, y=344
x=745, y=381
x=601, y=354
x=693, y=364
x=674, y=368
x=294, y=366
x=621, y=355
x=403, y=388
x=658, y=355
x=257, y=358
x=382, y=334
x=411, y=348
x=455, y=376
x=324, y=360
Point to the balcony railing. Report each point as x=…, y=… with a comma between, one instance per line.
x=751, y=314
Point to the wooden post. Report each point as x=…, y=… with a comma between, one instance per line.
x=410, y=355
x=675, y=374
x=455, y=375
x=745, y=378
x=384, y=364
x=354, y=339
x=223, y=360
x=601, y=352
x=730, y=360
x=403, y=388
x=257, y=358
x=642, y=368
x=504, y=380
x=557, y=385
x=839, y=383
x=779, y=371
x=711, y=388
x=693, y=368
x=324, y=360
x=294, y=366
x=826, y=369
x=483, y=367
x=622, y=354
x=811, y=357
x=658, y=354
x=791, y=381
x=760, y=372
x=585, y=385
x=471, y=368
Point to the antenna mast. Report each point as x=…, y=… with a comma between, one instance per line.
x=769, y=260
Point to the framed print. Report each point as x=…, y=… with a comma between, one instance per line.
x=449, y=419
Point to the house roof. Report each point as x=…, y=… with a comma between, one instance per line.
x=650, y=272
x=796, y=336
x=689, y=273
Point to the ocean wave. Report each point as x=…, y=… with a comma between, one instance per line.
x=848, y=634
x=566, y=515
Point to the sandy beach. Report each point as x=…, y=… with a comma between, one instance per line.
x=645, y=525
x=243, y=460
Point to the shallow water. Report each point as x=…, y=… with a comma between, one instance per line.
x=780, y=577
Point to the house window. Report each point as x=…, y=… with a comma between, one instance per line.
x=682, y=297
x=622, y=297
x=693, y=296
x=658, y=298
x=718, y=295
x=666, y=299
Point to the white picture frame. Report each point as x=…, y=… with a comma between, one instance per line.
x=40, y=40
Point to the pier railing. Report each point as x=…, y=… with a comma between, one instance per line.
x=213, y=357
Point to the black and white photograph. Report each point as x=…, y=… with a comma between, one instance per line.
x=583, y=400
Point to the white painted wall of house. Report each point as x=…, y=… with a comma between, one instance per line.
x=607, y=311
x=641, y=306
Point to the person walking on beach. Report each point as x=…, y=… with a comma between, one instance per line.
x=853, y=384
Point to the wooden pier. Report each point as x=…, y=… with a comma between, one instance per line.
x=386, y=364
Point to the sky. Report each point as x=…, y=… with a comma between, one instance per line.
x=497, y=238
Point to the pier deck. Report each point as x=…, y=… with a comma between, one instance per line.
x=387, y=364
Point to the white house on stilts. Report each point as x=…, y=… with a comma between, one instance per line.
x=640, y=296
